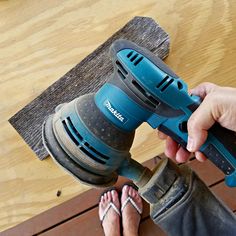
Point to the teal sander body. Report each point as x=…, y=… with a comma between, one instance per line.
x=92, y=135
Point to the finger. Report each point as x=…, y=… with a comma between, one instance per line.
x=198, y=124
x=182, y=155
x=171, y=148
x=203, y=89
x=200, y=156
x=161, y=135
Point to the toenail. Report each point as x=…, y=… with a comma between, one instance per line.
x=113, y=192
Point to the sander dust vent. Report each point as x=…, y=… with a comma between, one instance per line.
x=81, y=144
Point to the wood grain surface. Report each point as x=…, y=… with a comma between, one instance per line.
x=86, y=77
x=41, y=40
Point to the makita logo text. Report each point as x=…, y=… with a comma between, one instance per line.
x=114, y=111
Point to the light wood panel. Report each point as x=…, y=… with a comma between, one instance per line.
x=41, y=40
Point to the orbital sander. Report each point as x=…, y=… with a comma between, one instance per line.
x=91, y=136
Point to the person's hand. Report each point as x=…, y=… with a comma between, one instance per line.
x=218, y=105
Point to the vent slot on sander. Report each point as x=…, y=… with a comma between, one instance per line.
x=151, y=101
x=136, y=59
x=136, y=87
x=121, y=67
x=78, y=141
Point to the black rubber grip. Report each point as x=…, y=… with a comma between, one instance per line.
x=226, y=137
x=215, y=156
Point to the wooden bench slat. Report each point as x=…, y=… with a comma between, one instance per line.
x=80, y=226
x=207, y=171
x=148, y=228
x=226, y=194
x=87, y=224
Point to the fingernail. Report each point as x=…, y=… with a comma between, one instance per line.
x=190, y=146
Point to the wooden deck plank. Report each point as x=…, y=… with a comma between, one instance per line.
x=226, y=194
x=207, y=171
x=87, y=224
x=80, y=226
x=148, y=228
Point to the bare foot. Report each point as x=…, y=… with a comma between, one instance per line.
x=111, y=221
x=130, y=216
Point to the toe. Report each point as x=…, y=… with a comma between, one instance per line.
x=115, y=198
x=109, y=196
x=114, y=195
x=133, y=192
x=136, y=197
x=101, y=203
x=130, y=191
x=125, y=193
x=138, y=201
x=102, y=206
x=102, y=200
x=105, y=197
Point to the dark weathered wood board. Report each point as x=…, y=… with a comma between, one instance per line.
x=76, y=216
x=90, y=74
x=79, y=226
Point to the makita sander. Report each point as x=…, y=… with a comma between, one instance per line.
x=91, y=136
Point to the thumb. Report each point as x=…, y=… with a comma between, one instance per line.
x=198, y=124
